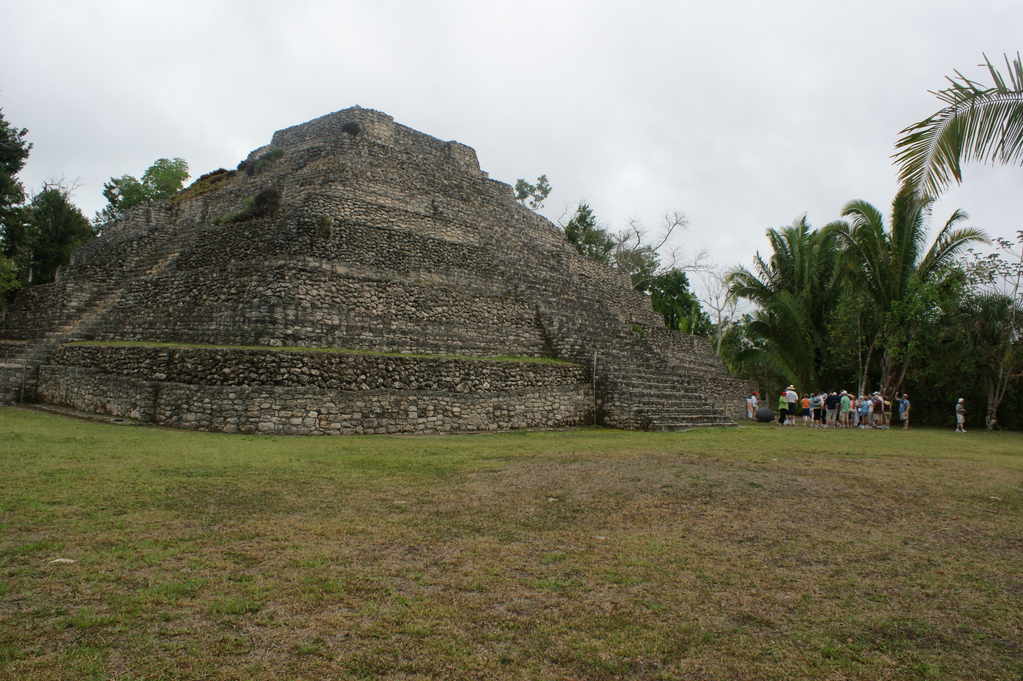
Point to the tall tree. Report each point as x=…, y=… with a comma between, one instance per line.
x=795, y=290
x=161, y=180
x=589, y=238
x=992, y=326
x=58, y=227
x=978, y=123
x=672, y=298
x=14, y=152
x=721, y=303
x=992, y=318
x=9, y=282
x=890, y=266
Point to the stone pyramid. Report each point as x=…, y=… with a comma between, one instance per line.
x=353, y=276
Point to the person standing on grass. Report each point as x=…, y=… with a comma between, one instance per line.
x=818, y=409
x=878, y=404
x=854, y=411
x=751, y=405
x=783, y=408
x=846, y=405
x=865, y=409
x=886, y=406
x=831, y=403
x=806, y=410
x=960, y=416
x=793, y=400
x=904, y=411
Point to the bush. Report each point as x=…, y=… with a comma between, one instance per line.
x=205, y=183
x=261, y=162
x=262, y=205
x=324, y=227
x=216, y=176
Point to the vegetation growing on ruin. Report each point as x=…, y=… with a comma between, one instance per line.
x=324, y=226
x=262, y=205
x=261, y=162
x=161, y=181
x=212, y=180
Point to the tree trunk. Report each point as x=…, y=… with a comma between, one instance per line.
x=992, y=408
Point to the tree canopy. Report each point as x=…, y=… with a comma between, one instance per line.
x=532, y=195
x=14, y=152
x=795, y=290
x=162, y=180
x=58, y=227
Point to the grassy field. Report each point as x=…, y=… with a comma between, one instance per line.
x=748, y=553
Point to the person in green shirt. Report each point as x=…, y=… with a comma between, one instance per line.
x=783, y=409
x=846, y=405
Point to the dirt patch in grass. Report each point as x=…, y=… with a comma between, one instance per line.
x=586, y=555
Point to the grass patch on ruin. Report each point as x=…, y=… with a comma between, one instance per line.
x=753, y=552
x=343, y=351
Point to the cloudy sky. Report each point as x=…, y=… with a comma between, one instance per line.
x=744, y=115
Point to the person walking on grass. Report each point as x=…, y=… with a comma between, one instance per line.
x=960, y=416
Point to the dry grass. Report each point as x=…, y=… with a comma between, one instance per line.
x=751, y=553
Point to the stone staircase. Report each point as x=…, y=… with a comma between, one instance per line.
x=79, y=315
x=638, y=387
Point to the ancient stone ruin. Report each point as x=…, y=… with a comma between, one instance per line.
x=353, y=276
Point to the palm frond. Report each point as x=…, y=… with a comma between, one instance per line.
x=979, y=123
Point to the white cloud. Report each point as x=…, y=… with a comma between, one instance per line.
x=742, y=114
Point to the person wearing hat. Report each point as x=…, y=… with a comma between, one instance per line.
x=845, y=404
x=866, y=409
x=793, y=399
x=960, y=416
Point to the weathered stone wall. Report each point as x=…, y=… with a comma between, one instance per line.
x=328, y=370
x=386, y=240
x=312, y=393
x=696, y=361
x=10, y=350
x=17, y=382
x=311, y=306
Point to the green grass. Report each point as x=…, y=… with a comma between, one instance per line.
x=754, y=552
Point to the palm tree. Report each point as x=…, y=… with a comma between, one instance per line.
x=993, y=328
x=889, y=266
x=979, y=123
x=795, y=291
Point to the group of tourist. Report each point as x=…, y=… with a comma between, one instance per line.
x=822, y=409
